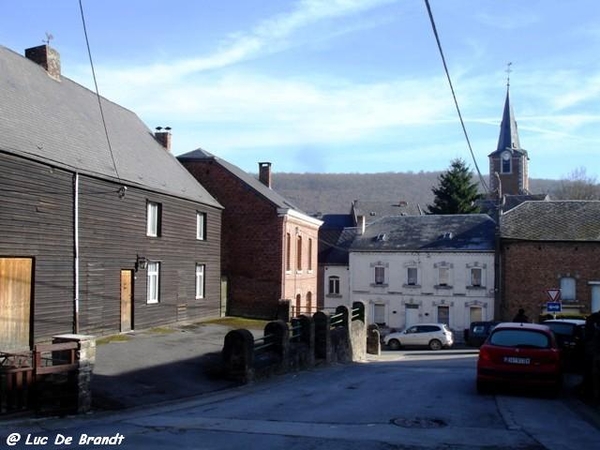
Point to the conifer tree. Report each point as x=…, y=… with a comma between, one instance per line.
x=456, y=192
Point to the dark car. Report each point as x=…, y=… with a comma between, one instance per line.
x=478, y=332
x=520, y=355
x=570, y=335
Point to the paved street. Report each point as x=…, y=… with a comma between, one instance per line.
x=402, y=400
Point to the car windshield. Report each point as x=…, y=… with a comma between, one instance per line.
x=561, y=328
x=520, y=338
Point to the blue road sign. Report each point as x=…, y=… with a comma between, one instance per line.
x=554, y=307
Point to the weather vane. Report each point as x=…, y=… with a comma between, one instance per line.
x=49, y=37
x=508, y=71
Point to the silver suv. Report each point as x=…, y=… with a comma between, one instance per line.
x=432, y=335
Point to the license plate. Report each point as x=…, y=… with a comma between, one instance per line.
x=516, y=360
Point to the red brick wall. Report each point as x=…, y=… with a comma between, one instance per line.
x=253, y=246
x=530, y=268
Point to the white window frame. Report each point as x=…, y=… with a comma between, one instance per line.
x=379, y=275
x=152, y=219
x=153, y=282
x=200, y=226
x=444, y=276
x=408, y=277
x=379, y=312
x=200, y=280
x=473, y=277
x=568, y=289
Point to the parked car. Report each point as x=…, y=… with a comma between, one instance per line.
x=570, y=335
x=520, y=355
x=478, y=332
x=432, y=335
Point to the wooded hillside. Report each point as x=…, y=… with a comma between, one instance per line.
x=333, y=193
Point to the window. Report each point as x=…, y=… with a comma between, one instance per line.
x=506, y=162
x=152, y=284
x=379, y=314
x=379, y=275
x=310, y=254
x=443, y=276
x=153, y=218
x=567, y=289
x=334, y=285
x=199, y=281
x=201, y=226
x=299, y=253
x=443, y=314
x=288, y=252
x=411, y=274
x=476, y=275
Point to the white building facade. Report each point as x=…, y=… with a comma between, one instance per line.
x=405, y=288
x=421, y=269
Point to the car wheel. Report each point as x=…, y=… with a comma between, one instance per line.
x=483, y=387
x=434, y=344
x=394, y=344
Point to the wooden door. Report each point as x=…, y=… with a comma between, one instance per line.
x=126, y=300
x=15, y=303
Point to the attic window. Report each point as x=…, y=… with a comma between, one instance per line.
x=381, y=237
x=447, y=235
x=372, y=213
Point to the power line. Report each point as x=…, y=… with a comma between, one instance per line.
x=437, y=38
x=87, y=42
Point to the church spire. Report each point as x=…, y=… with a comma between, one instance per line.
x=509, y=135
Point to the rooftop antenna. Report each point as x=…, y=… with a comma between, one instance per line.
x=49, y=37
x=508, y=71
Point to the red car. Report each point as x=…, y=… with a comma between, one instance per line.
x=520, y=355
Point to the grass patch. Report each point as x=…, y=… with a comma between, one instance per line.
x=114, y=338
x=239, y=322
x=162, y=330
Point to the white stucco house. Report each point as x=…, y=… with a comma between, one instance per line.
x=430, y=268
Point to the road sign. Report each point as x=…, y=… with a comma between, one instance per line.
x=554, y=294
x=554, y=307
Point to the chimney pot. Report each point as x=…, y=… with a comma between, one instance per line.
x=264, y=173
x=46, y=57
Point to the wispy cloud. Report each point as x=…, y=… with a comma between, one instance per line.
x=268, y=36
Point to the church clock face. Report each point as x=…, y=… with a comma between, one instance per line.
x=506, y=156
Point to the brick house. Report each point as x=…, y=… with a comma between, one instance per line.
x=551, y=245
x=269, y=247
x=95, y=238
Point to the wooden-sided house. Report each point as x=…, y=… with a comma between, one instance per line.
x=102, y=230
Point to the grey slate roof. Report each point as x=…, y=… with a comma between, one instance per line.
x=335, y=237
x=509, y=133
x=253, y=182
x=554, y=220
x=375, y=210
x=59, y=123
x=447, y=232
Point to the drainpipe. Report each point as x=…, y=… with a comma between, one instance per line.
x=76, y=251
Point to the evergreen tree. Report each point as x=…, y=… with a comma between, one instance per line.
x=456, y=192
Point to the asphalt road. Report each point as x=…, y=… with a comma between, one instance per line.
x=401, y=400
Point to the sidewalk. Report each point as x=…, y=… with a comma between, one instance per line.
x=158, y=365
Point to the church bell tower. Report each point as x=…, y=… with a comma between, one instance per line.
x=509, y=168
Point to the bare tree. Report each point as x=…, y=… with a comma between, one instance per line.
x=578, y=186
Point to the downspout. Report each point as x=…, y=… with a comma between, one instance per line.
x=76, y=251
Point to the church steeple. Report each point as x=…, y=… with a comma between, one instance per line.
x=509, y=134
x=509, y=170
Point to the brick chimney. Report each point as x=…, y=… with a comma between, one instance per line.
x=264, y=173
x=163, y=137
x=46, y=57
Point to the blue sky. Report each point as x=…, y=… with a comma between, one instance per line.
x=338, y=86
